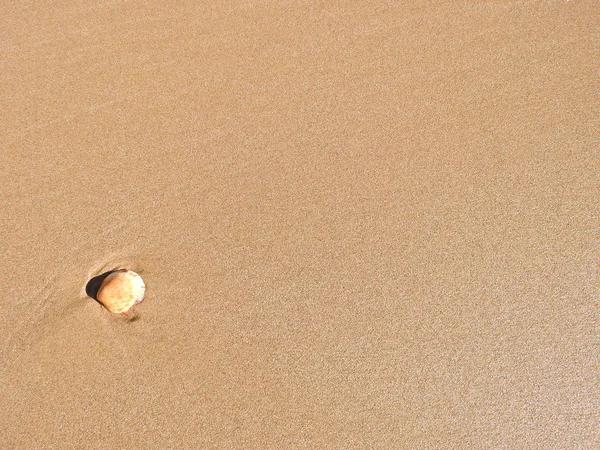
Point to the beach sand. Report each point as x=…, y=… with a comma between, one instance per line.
x=360, y=225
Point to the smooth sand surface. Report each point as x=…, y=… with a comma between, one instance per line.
x=361, y=225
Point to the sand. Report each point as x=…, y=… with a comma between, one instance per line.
x=361, y=225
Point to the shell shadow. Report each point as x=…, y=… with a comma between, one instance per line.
x=93, y=286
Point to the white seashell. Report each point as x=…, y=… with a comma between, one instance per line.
x=121, y=290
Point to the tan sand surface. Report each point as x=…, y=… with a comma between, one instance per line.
x=361, y=224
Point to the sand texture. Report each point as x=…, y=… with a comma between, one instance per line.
x=361, y=225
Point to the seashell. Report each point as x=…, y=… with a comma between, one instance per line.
x=121, y=290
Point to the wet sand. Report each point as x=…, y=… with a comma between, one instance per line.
x=367, y=225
